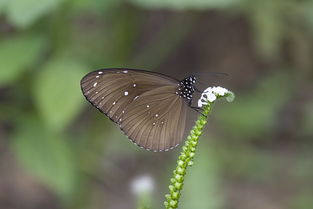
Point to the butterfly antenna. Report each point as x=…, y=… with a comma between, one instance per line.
x=218, y=75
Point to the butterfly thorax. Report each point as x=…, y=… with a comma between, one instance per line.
x=186, y=88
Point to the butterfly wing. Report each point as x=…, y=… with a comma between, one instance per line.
x=155, y=120
x=144, y=105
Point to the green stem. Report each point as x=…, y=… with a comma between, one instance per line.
x=185, y=159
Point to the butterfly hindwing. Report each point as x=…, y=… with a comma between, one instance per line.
x=155, y=120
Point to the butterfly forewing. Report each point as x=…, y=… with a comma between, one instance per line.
x=144, y=104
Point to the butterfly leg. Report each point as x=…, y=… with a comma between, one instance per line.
x=198, y=110
x=197, y=90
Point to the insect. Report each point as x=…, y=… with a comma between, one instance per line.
x=149, y=107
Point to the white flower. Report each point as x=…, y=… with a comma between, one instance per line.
x=220, y=90
x=212, y=93
x=142, y=184
x=211, y=97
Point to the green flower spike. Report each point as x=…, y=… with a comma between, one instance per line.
x=187, y=154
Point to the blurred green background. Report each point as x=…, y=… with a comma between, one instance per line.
x=56, y=151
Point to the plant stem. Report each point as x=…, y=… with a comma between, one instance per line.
x=185, y=159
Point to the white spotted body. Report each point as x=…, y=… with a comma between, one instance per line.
x=186, y=88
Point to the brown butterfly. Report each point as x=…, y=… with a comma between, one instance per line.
x=150, y=108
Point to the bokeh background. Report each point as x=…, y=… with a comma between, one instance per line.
x=58, y=152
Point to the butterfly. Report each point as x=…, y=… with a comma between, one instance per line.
x=149, y=107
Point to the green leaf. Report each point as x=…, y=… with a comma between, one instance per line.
x=24, y=13
x=185, y=4
x=45, y=155
x=17, y=55
x=57, y=92
x=95, y=5
x=201, y=189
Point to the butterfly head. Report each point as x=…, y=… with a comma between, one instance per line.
x=186, y=87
